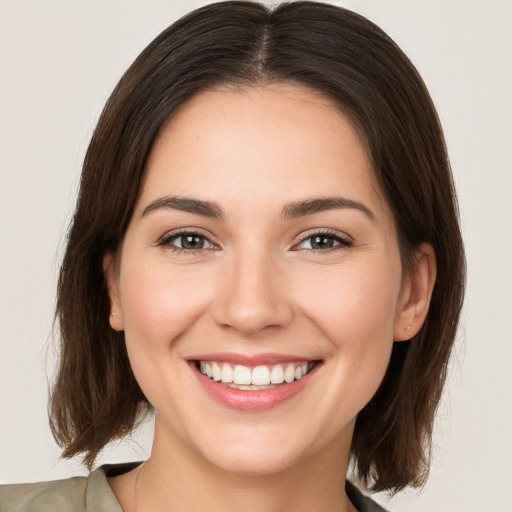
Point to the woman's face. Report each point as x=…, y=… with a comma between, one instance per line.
x=260, y=249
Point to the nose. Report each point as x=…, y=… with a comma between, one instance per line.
x=254, y=297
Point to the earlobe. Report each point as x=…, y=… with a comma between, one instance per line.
x=416, y=293
x=112, y=280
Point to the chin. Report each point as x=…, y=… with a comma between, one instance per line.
x=253, y=464
x=256, y=451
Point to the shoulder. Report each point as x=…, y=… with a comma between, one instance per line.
x=362, y=502
x=77, y=494
x=43, y=496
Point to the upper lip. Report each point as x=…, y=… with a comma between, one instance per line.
x=252, y=359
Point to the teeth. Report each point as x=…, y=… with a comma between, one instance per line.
x=216, y=372
x=277, y=374
x=260, y=377
x=289, y=374
x=251, y=387
x=242, y=375
x=226, y=374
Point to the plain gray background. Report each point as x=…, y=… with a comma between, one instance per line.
x=59, y=60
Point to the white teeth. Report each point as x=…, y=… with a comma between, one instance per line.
x=277, y=374
x=250, y=387
x=216, y=372
x=289, y=374
x=226, y=373
x=242, y=375
x=261, y=377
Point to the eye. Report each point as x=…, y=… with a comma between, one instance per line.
x=323, y=242
x=187, y=241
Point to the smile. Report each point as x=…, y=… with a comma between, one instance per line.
x=256, y=378
x=255, y=383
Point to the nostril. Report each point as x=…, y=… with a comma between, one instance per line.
x=251, y=321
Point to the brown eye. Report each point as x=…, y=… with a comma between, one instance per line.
x=323, y=242
x=187, y=242
x=192, y=241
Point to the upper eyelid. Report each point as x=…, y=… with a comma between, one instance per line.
x=322, y=231
x=297, y=239
x=187, y=231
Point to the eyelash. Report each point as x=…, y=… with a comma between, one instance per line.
x=342, y=242
x=166, y=241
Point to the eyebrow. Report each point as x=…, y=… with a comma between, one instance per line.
x=184, y=204
x=290, y=211
x=309, y=207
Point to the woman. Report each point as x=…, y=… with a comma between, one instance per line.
x=266, y=251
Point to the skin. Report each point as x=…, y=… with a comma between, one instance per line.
x=256, y=287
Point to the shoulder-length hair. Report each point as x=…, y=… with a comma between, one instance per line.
x=344, y=57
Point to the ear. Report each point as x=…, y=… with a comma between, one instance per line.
x=416, y=293
x=112, y=279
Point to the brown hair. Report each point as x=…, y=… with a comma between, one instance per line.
x=327, y=49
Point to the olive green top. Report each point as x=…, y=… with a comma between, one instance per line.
x=84, y=494
x=93, y=494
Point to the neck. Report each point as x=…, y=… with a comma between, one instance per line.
x=175, y=475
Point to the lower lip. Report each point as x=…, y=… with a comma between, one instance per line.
x=253, y=400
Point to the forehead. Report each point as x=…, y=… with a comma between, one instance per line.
x=279, y=142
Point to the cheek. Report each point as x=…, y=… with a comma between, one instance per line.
x=355, y=312
x=352, y=304
x=159, y=304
